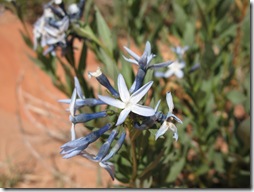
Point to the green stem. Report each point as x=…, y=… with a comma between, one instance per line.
x=134, y=161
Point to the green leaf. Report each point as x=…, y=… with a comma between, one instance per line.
x=153, y=132
x=86, y=32
x=227, y=32
x=180, y=16
x=236, y=97
x=204, y=168
x=110, y=64
x=219, y=162
x=68, y=76
x=82, y=59
x=175, y=170
x=189, y=33
x=104, y=31
x=26, y=39
x=148, y=182
x=39, y=63
x=122, y=177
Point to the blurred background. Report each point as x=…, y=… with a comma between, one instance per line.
x=213, y=97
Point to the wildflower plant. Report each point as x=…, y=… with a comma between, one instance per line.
x=135, y=115
x=121, y=120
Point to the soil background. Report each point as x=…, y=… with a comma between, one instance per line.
x=33, y=124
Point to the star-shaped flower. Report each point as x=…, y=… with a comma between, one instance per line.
x=173, y=69
x=167, y=124
x=144, y=61
x=129, y=103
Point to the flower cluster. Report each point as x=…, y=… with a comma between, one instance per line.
x=51, y=29
x=133, y=112
x=176, y=68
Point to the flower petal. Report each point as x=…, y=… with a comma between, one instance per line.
x=179, y=73
x=85, y=117
x=159, y=74
x=173, y=128
x=51, y=31
x=78, y=88
x=169, y=73
x=104, y=149
x=132, y=86
x=142, y=110
x=147, y=50
x=157, y=105
x=87, y=155
x=111, y=101
x=181, y=64
x=63, y=24
x=83, y=102
x=162, y=130
x=117, y=146
x=73, y=133
x=175, y=117
x=170, y=102
x=134, y=55
x=122, y=88
x=175, y=136
x=73, y=101
x=130, y=60
x=123, y=115
x=137, y=95
x=72, y=153
x=160, y=65
x=109, y=168
x=97, y=73
x=50, y=49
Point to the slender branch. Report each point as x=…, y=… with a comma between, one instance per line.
x=134, y=161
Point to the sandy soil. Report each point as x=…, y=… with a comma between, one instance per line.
x=33, y=124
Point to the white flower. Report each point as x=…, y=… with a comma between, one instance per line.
x=167, y=124
x=129, y=103
x=174, y=69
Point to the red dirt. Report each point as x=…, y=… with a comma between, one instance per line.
x=29, y=113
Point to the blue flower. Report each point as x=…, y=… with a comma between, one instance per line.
x=103, y=155
x=85, y=117
x=75, y=147
x=81, y=101
x=144, y=64
x=103, y=80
